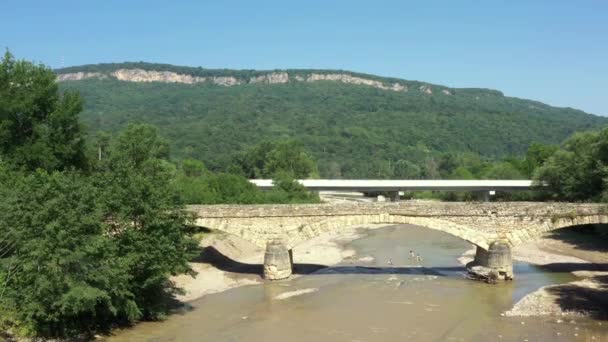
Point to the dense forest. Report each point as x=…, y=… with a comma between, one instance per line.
x=352, y=131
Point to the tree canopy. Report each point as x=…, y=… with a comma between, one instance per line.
x=39, y=126
x=577, y=171
x=268, y=158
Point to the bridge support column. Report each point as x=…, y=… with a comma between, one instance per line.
x=494, y=264
x=278, y=261
x=395, y=196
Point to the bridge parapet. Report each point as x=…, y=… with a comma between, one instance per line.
x=482, y=224
x=474, y=209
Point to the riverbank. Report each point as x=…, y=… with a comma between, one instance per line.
x=584, y=256
x=227, y=261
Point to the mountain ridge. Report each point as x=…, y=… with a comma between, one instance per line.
x=248, y=76
x=354, y=128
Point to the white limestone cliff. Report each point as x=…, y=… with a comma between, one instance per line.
x=140, y=75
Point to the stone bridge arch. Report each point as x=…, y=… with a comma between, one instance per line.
x=533, y=229
x=310, y=230
x=294, y=231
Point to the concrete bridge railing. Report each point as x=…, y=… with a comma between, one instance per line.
x=482, y=224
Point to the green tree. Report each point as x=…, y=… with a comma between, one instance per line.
x=39, y=126
x=334, y=170
x=502, y=170
x=150, y=230
x=383, y=169
x=536, y=156
x=80, y=252
x=193, y=167
x=59, y=271
x=430, y=169
x=447, y=163
x=404, y=169
x=288, y=190
x=462, y=173
x=253, y=162
x=195, y=189
x=102, y=142
x=289, y=157
x=577, y=171
x=229, y=188
x=267, y=159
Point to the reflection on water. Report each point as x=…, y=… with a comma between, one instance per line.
x=393, y=297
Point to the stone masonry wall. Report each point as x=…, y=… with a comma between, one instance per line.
x=478, y=223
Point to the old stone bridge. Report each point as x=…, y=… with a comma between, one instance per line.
x=493, y=227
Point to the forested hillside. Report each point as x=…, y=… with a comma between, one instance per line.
x=352, y=130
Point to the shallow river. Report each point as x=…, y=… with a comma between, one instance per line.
x=374, y=301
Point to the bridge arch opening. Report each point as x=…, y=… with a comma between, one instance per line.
x=591, y=237
x=312, y=230
x=557, y=225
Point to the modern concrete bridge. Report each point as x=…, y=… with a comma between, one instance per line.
x=493, y=227
x=404, y=185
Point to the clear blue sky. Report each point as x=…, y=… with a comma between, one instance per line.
x=555, y=51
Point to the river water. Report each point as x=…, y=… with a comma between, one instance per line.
x=363, y=300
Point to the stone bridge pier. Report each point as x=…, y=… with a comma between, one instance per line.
x=493, y=264
x=278, y=260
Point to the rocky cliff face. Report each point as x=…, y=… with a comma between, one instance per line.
x=140, y=75
x=77, y=76
x=272, y=78
x=346, y=78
